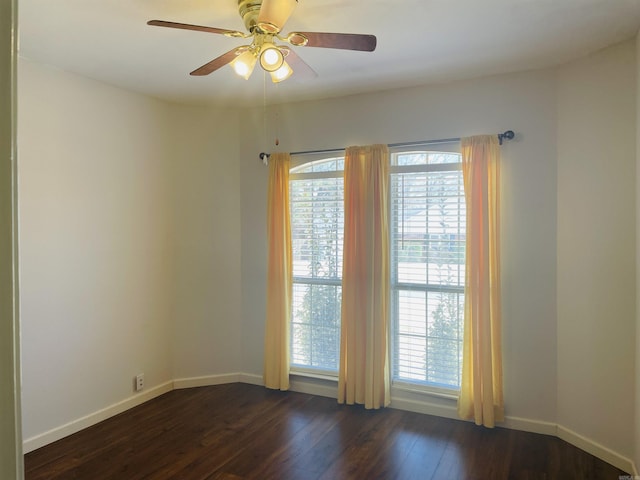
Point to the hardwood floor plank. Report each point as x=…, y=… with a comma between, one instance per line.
x=428, y=453
x=396, y=450
x=370, y=445
x=311, y=425
x=257, y=439
x=238, y=431
x=216, y=438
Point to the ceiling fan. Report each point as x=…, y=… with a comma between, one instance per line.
x=264, y=20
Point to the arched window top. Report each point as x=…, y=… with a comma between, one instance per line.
x=335, y=164
x=425, y=158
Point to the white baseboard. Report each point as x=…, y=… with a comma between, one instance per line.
x=325, y=389
x=206, y=380
x=70, y=428
x=528, y=425
x=596, y=449
x=251, y=379
x=424, y=407
x=314, y=387
x=209, y=380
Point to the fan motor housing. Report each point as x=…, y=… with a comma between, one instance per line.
x=249, y=11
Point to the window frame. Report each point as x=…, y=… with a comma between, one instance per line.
x=432, y=389
x=295, y=174
x=422, y=387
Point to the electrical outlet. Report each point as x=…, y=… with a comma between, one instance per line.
x=139, y=382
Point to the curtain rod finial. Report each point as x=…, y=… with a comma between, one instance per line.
x=264, y=157
x=508, y=135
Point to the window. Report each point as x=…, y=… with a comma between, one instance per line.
x=317, y=220
x=427, y=266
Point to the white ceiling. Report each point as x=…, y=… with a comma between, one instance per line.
x=419, y=42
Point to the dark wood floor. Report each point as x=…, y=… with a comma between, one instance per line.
x=240, y=431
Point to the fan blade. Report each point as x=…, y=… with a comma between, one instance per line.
x=274, y=14
x=198, y=28
x=300, y=68
x=217, y=63
x=344, y=41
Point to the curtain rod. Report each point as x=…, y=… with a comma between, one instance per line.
x=508, y=135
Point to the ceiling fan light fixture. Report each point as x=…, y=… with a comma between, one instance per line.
x=271, y=58
x=282, y=73
x=244, y=64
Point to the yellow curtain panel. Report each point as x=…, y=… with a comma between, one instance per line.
x=363, y=375
x=279, y=275
x=481, y=397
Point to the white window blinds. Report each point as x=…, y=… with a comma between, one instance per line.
x=428, y=243
x=427, y=267
x=317, y=220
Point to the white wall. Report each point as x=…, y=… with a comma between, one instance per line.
x=522, y=102
x=10, y=431
x=206, y=332
x=130, y=246
x=596, y=247
x=96, y=245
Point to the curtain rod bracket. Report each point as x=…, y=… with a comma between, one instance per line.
x=508, y=135
x=264, y=157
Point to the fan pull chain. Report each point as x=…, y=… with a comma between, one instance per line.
x=265, y=159
x=264, y=114
x=277, y=122
x=264, y=106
